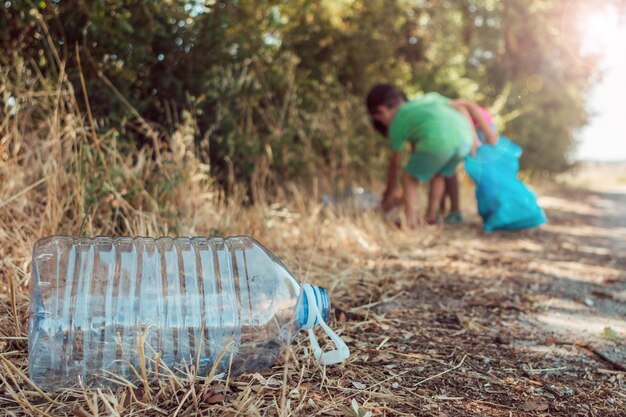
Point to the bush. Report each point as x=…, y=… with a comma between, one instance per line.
x=272, y=92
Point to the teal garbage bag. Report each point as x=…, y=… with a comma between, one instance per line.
x=504, y=202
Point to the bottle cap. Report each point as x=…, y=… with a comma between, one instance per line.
x=317, y=300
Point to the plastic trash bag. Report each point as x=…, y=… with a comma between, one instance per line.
x=504, y=202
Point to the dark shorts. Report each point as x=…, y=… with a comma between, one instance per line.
x=425, y=165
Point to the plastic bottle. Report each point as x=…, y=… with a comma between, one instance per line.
x=358, y=200
x=104, y=310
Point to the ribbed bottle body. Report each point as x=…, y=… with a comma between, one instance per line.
x=103, y=308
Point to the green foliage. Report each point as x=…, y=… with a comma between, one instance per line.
x=276, y=88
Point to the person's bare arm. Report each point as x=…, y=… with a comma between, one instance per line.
x=477, y=115
x=465, y=112
x=392, y=180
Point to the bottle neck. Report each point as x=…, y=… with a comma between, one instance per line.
x=319, y=298
x=315, y=301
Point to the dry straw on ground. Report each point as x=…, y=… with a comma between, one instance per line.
x=439, y=321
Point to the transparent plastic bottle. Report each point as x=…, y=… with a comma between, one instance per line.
x=103, y=308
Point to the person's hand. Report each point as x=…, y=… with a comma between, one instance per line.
x=475, y=145
x=473, y=150
x=389, y=202
x=386, y=204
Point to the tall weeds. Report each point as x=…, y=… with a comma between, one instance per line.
x=59, y=174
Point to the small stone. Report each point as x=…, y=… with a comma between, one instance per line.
x=567, y=392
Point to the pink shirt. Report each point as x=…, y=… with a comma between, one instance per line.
x=487, y=117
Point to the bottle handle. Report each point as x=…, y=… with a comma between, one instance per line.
x=341, y=352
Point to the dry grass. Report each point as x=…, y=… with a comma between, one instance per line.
x=439, y=321
x=59, y=176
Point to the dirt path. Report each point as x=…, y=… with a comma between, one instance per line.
x=528, y=323
x=588, y=302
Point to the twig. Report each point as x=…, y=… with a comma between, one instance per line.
x=383, y=343
x=508, y=407
x=24, y=191
x=376, y=303
x=21, y=374
x=418, y=356
x=13, y=297
x=529, y=373
x=618, y=366
x=182, y=402
x=442, y=373
x=589, y=347
x=376, y=384
x=21, y=401
x=610, y=372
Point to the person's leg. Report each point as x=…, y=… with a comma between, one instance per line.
x=452, y=191
x=424, y=166
x=410, y=185
x=442, y=207
x=437, y=190
x=449, y=171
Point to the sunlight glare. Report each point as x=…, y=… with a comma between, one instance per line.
x=603, y=36
x=600, y=32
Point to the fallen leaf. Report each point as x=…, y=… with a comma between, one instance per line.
x=358, y=385
x=534, y=406
x=274, y=382
x=80, y=413
x=213, y=398
x=338, y=413
x=551, y=341
x=358, y=411
x=610, y=334
x=260, y=378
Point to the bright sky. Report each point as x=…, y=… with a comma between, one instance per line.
x=605, y=137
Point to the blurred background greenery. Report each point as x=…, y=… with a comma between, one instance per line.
x=273, y=90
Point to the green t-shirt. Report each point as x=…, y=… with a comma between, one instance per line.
x=431, y=124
